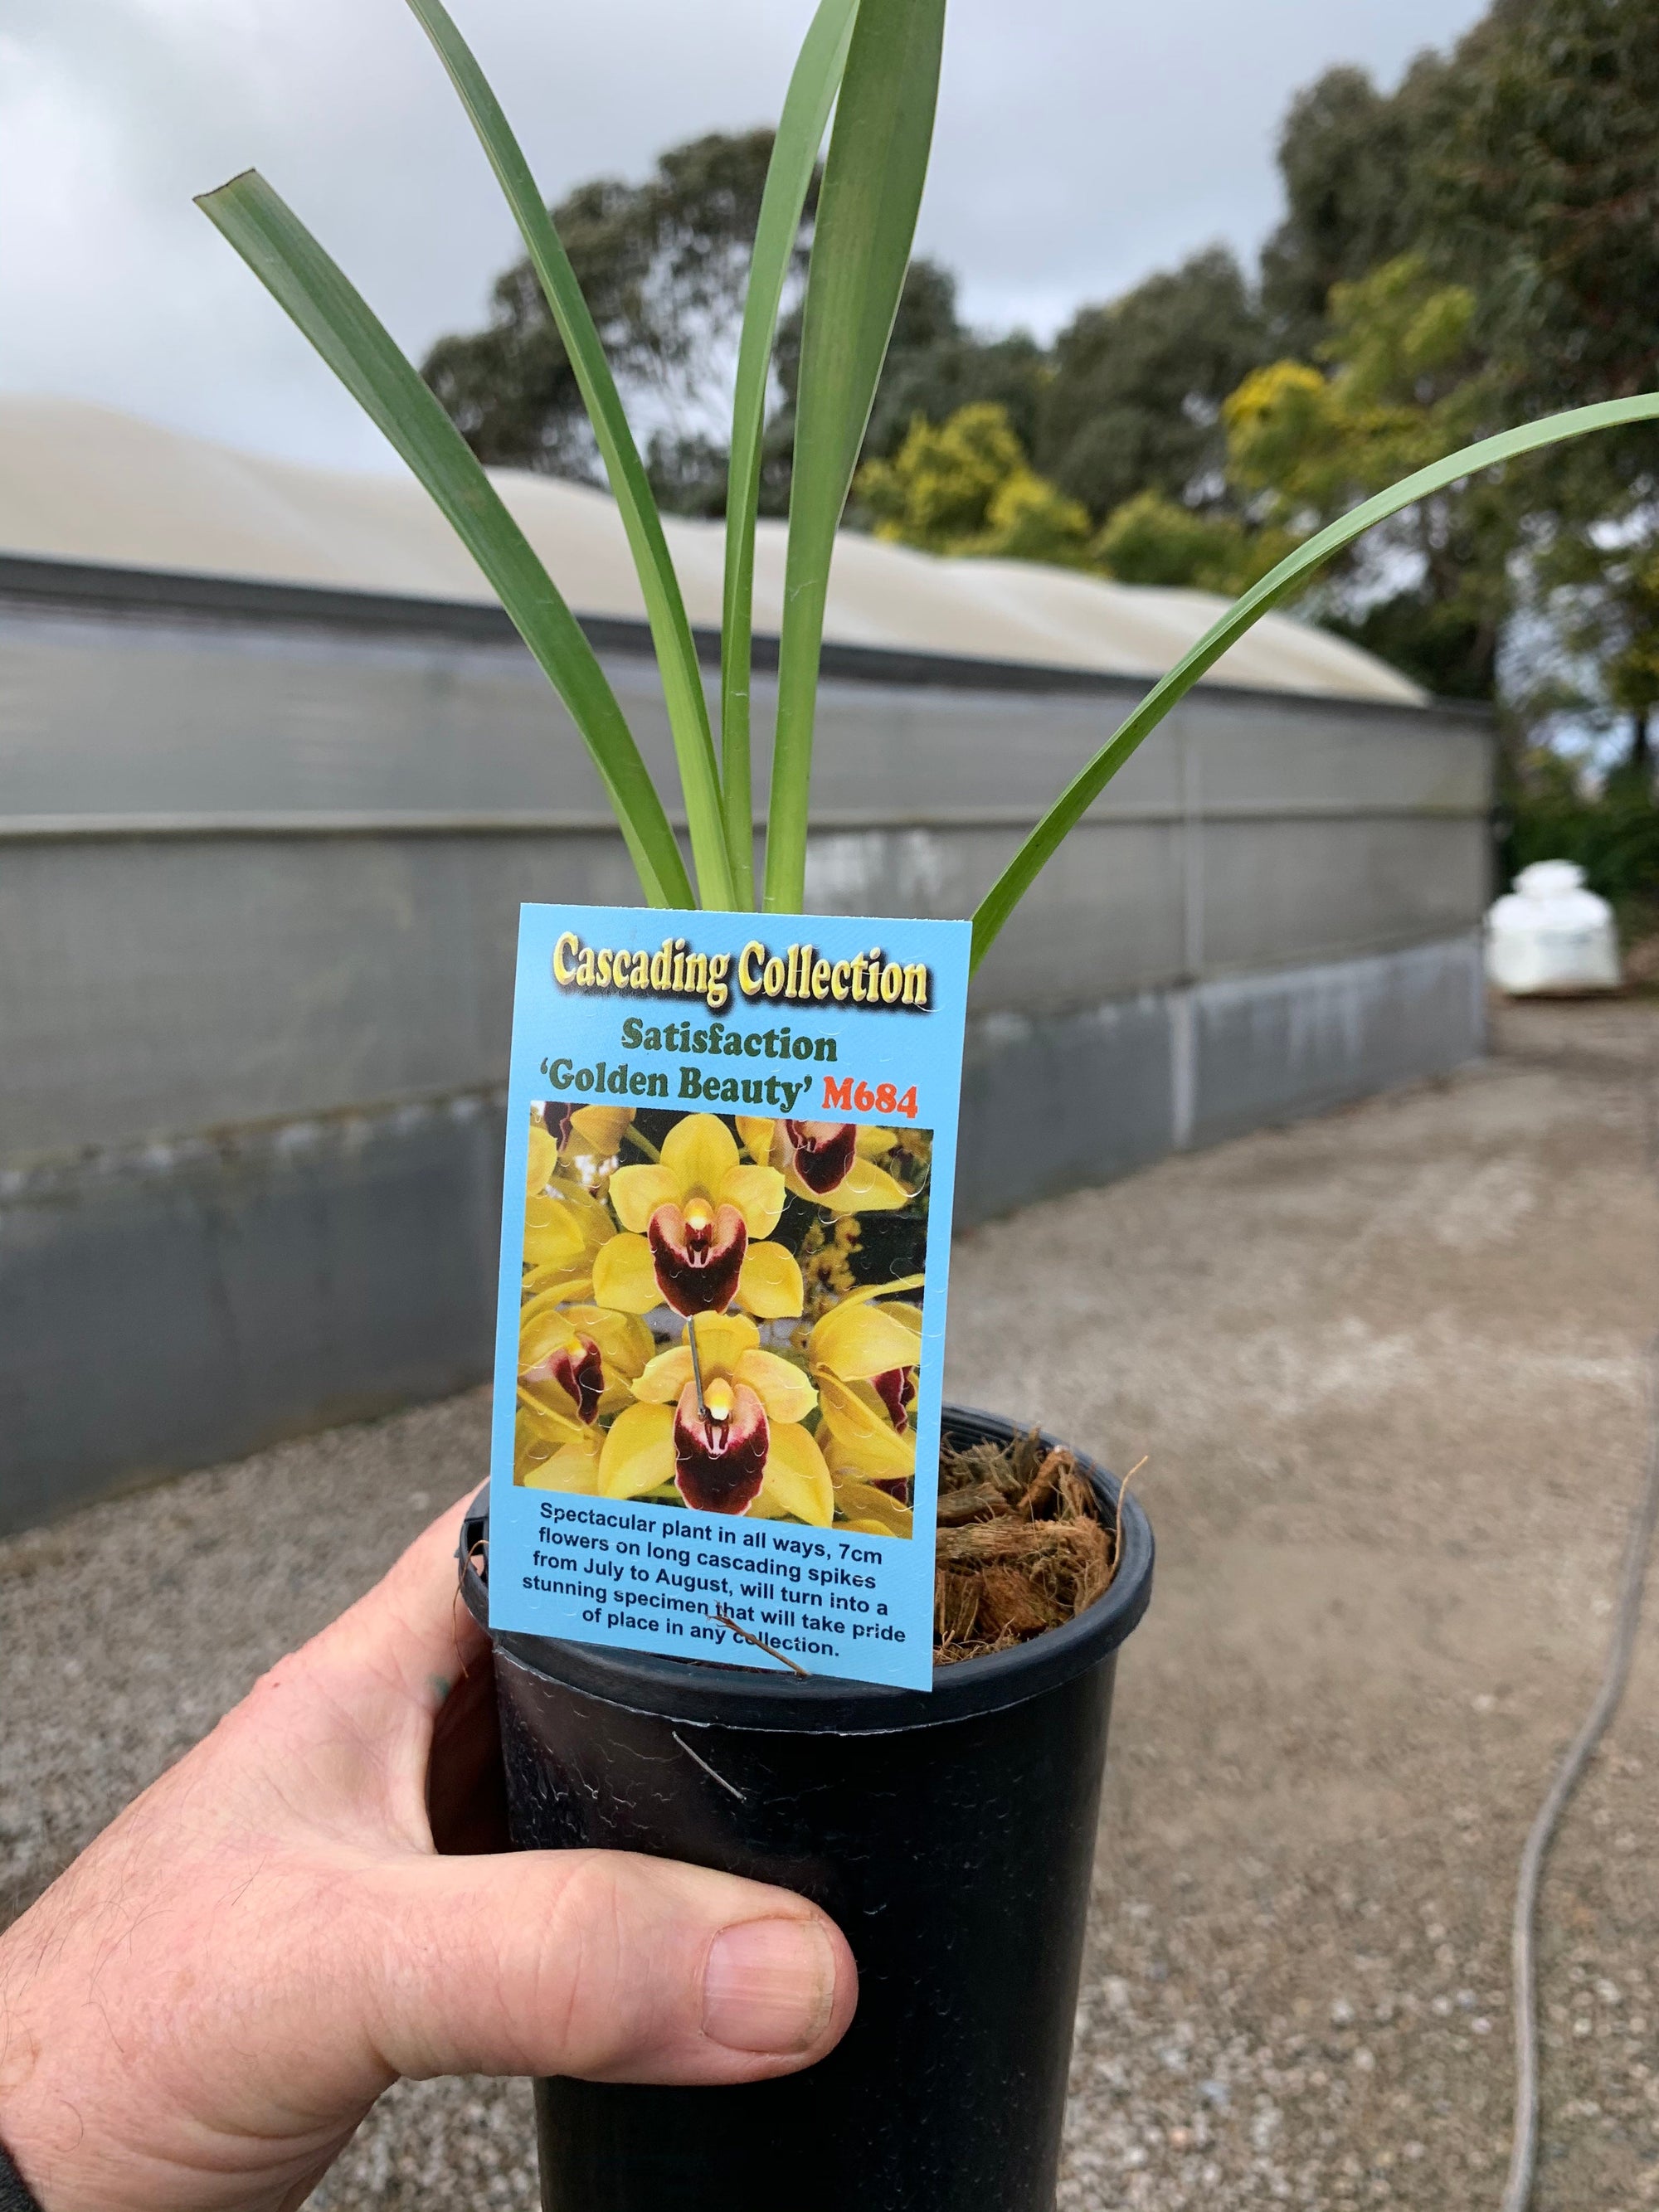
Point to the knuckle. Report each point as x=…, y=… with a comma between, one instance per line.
x=595, y=1958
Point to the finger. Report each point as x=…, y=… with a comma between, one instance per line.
x=412, y=1631
x=603, y=1965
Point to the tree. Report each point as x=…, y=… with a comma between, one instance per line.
x=1402, y=382
x=965, y=487
x=1481, y=244
x=1351, y=161
x=662, y=264
x=1134, y=400
x=1150, y=539
x=1547, y=190
x=1521, y=167
x=935, y=367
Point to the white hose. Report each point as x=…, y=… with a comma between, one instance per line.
x=1518, y=2191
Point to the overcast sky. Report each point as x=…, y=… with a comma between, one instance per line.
x=1081, y=144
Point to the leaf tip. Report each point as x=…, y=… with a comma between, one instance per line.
x=201, y=199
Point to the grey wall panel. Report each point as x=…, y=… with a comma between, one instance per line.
x=156, y=987
x=1274, y=892
x=1321, y=756
x=103, y=714
x=165, y=1306
x=1106, y=917
x=261, y=855
x=1053, y=1103
x=1269, y=1048
x=161, y=1311
x=154, y=716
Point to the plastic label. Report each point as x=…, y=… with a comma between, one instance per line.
x=725, y=1234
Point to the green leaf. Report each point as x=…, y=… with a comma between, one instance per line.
x=1017, y=878
x=867, y=219
x=302, y=279
x=807, y=107
x=676, y=653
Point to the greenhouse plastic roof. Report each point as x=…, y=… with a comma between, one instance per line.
x=79, y=483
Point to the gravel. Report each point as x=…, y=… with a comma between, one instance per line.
x=1388, y=1366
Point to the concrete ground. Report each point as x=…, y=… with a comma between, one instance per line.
x=1390, y=1369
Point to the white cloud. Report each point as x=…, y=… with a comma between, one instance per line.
x=1080, y=145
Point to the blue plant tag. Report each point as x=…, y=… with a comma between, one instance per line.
x=725, y=1236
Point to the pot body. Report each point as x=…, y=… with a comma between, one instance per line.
x=951, y=1837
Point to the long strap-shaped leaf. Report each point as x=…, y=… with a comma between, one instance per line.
x=867, y=219
x=1016, y=880
x=807, y=107
x=676, y=653
x=302, y=279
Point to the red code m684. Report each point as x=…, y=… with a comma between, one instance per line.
x=850, y=1096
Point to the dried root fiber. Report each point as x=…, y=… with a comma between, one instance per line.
x=1022, y=1547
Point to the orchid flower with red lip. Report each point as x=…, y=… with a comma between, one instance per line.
x=863, y=1358
x=576, y=1364
x=585, y=1133
x=738, y=1446
x=695, y=1224
x=829, y=1163
x=565, y=1227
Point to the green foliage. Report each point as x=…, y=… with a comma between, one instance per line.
x=1546, y=192
x=1134, y=400
x=687, y=473
x=1402, y=386
x=937, y=365
x=662, y=265
x=1520, y=167
x=1613, y=833
x=670, y=632
x=1150, y=539
x=1402, y=383
x=1280, y=583
x=321, y=299
x=1352, y=163
x=1445, y=646
x=791, y=177
x=1546, y=196
x=1604, y=593
x=966, y=488
x=1507, y=190
x=1400, y=375
x=873, y=175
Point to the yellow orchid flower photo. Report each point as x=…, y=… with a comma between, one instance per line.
x=723, y=1313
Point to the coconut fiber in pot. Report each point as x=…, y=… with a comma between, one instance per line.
x=1022, y=1547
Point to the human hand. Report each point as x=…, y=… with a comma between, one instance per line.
x=200, y=2010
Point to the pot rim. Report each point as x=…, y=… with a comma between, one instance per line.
x=711, y=1694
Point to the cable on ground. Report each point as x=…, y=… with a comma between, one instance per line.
x=1523, y=2156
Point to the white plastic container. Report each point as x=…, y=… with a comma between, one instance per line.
x=1549, y=934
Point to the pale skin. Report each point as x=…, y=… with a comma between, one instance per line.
x=312, y=1902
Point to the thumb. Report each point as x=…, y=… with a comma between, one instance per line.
x=603, y=1965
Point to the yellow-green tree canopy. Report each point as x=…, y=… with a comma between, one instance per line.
x=965, y=487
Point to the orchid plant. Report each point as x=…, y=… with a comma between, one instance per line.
x=874, y=65
x=814, y=1423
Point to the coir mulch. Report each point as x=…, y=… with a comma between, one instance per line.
x=1022, y=1547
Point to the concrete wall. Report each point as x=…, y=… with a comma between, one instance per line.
x=261, y=852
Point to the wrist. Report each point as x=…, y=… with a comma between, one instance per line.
x=25, y=2147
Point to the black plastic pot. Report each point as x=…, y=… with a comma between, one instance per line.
x=951, y=1835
